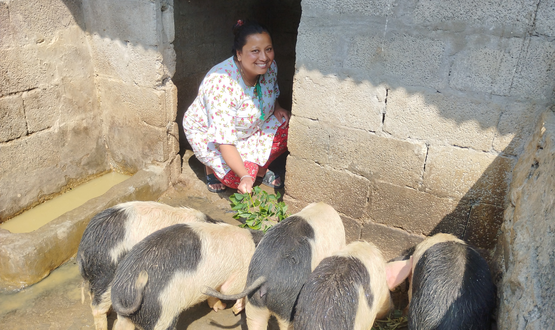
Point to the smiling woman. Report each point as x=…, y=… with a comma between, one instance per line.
x=235, y=125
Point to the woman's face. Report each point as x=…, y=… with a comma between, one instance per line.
x=257, y=55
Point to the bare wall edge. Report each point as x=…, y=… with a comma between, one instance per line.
x=26, y=258
x=524, y=253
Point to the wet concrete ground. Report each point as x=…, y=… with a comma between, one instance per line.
x=55, y=302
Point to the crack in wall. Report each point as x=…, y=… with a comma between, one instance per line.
x=18, y=92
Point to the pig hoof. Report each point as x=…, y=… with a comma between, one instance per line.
x=236, y=310
x=218, y=306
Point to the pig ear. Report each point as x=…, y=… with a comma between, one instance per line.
x=397, y=272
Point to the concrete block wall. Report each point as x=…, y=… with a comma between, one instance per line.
x=85, y=87
x=134, y=61
x=49, y=113
x=408, y=116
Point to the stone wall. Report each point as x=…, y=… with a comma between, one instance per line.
x=204, y=38
x=525, y=251
x=50, y=132
x=84, y=88
x=134, y=60
x=408, y=116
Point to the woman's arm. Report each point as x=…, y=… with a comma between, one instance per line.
x=281, y=114
x=233, y=159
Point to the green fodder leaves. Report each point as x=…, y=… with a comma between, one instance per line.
x=260, y=211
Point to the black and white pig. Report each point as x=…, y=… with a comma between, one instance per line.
x=346, y=291
x=451, y=286
x=111, y=234
x=283, y=261
x=164, y=273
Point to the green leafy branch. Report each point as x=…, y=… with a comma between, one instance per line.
x=260, y=211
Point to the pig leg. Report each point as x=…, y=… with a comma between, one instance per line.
x=123, y=323
x=257, y=318
x=284, y=324
x=100, y=312
x=215, y=303
x=239, y=306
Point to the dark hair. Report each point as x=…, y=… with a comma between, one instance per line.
x=243, y=29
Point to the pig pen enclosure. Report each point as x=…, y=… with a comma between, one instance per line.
x=409, y=118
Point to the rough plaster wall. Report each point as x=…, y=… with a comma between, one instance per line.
x=134, y=60
x=525, y=250
x=50, y=132
x=204, y=38
x=409, y=115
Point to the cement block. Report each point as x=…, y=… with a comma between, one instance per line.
x=79, y=100
x=42, y=108
x=441, y=119
x=36, y=22
x=347, y=7
x=500, y=17
x=483, y=226
x=20, y=70
x=467, y=174
x=131, y=21
x=139, y=104
x=12, y=118
x=486, y=65
x=132, y=64
x=533, y=79
x=352, y=227
x=343, y=102
x=392, y=242
x=310, y=182
x=67, y=56
x=545, y=24
x=515, y=126
x=317, y=47
x=309, y=139
x=29, y=169
x=384, y=58
x=83, y=152
x=417, y=212
x=376, y=157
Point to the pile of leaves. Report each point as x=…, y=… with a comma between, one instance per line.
x=259, y=211
x=395, y=321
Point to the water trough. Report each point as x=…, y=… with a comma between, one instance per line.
x=26, y=258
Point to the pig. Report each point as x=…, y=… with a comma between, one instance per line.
x=164, y=273
x=283, y=261
x=346, y=291
x=110, y=235
x=451, y=286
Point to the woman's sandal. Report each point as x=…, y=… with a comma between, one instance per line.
x=211, y=180
x=270, y=177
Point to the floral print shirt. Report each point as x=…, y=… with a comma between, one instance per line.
x=227, y=111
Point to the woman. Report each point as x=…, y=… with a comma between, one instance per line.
x=235, y=125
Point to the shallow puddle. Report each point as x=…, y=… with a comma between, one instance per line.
x=40, y=215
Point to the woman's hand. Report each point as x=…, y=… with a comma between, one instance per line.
x=245, y=186
x=282, y=115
